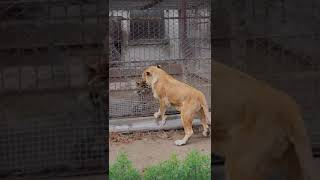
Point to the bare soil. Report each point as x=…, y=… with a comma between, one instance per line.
x=149, y=148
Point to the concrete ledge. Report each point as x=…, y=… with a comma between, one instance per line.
x=128, y=125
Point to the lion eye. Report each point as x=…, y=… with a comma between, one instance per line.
x=148, y=73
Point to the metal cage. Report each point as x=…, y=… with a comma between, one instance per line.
x=172, y=33
x=49, y=122
x=288, y=60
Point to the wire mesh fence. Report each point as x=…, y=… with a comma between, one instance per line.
x=172, y=33
x=288, y=59
x=51, y=121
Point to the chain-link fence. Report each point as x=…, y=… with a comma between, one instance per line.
x=51, y=121
x=172, y=33
x=287, y=57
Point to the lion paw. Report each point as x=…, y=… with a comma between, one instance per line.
x=180, y=142
x=205, y=133
x=156, y=115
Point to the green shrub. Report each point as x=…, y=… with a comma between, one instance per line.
x=165, y=170
x=123, y=169
x=194, y=167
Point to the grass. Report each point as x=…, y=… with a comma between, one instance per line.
x=195, y=166
x=123, y=169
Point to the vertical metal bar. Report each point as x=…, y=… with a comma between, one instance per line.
x=158, y=33
x=148, y=28
x=66, y=11
x=183, y=36
x=53, y=75
x=82, y=27
x=2, y=79
x=283, y=11
x=253, y=8
x=37, y=76
x=49, y=14
x=183, y=27
x=19, y=71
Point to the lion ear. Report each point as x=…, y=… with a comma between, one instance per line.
x=158, y=66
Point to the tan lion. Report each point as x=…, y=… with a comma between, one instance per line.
x=186, y=99
x=257, y=129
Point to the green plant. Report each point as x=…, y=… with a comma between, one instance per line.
x=165, y=170
x=194, y=167
x=123, y=169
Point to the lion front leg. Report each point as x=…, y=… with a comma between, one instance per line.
x=161, y=113
x=157, y=114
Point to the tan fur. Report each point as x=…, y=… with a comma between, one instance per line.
x=171, y=92
x=257, y=128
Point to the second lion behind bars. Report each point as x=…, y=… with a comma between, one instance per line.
x=186, y=99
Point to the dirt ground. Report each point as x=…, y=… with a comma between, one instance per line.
x=145, y=149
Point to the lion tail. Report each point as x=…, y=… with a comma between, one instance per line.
x=204, y=107
x=299, y=138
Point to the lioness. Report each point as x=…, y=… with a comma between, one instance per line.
x=186, y=99
x=257, y=129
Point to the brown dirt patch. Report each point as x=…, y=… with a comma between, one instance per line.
x=126, y=138
x=149, y=148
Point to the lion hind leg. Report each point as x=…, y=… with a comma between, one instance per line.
x=187, y=119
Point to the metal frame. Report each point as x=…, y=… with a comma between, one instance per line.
x=287, y=60
x=184, y=51
x=52, y=121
